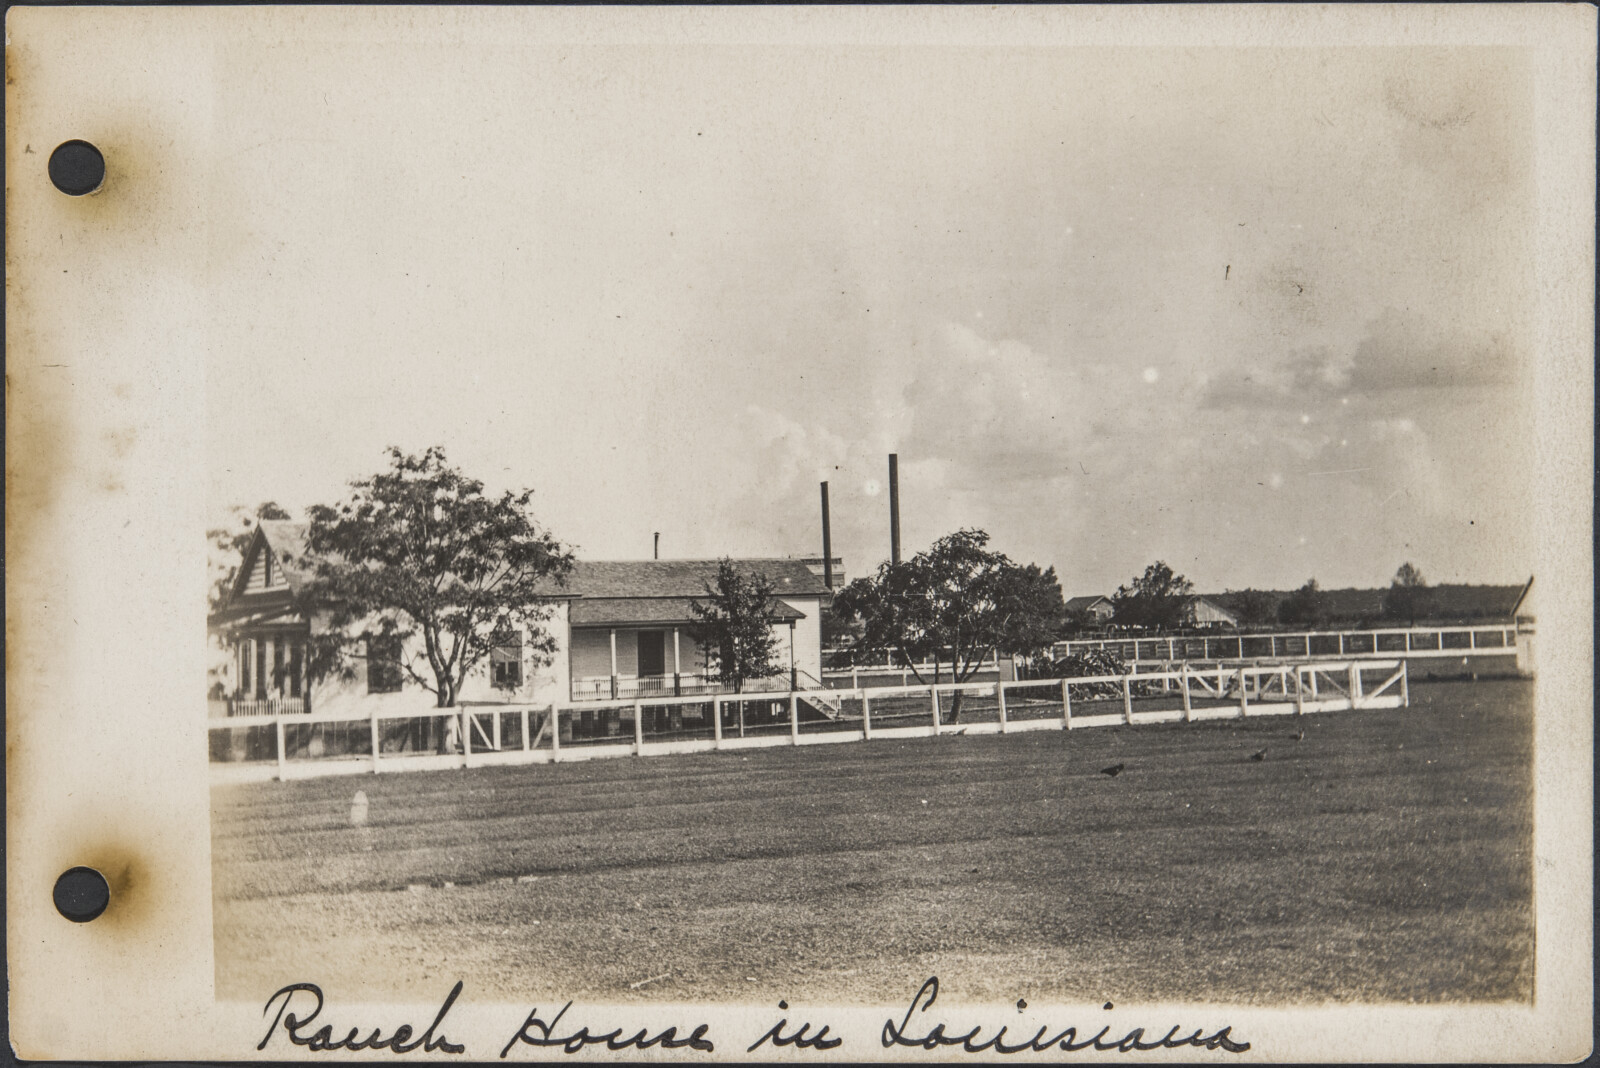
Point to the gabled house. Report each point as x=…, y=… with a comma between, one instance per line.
x=621, y=629
x=1094, y=607
x=1203, y=612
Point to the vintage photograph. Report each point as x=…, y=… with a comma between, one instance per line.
x=1120, y=454
x=919, y=522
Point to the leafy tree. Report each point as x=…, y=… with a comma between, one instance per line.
x=1155, y=600
x=734, y=624
x=957, y=603
x=1254, y=607
x=419, y=550
x=1408, y=596
x=225, y=546
x=1304, y=607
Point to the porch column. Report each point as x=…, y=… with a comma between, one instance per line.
x=677, y=665
x=794, y=675
x=613, y=633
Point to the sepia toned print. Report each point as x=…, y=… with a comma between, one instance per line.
x=858, y=535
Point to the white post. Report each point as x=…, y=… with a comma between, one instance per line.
x=1183, y=681
x=279, y=725
x=526, y=743
x=1405, y=687
x=855, y=677
x=677, y=661
x=1066, y=705
x=555, y=735
x=638, y=728
x=933, y=692
x=794, y=718
x=1355, y=684
x=494, y=734
x=1299, y=691
x=1313, y=682
x=466, y=737
x=716, y=723
x=866, y=717
x=1000, y=695
x=613, y=633
x=375, y=741
x=1244, y=695
x=1127, y=698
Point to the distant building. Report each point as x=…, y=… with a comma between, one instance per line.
x=1205, y=612
x=1094, y=607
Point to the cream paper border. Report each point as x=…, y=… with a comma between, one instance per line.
x=106, y=403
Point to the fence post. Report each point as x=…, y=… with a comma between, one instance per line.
x=855, y=677
x=1066, y=705
x=466, y=737
x=794, y=718
x=638, y=728
x=555, y=734
x=1000, y=695
x=376, y=741
x=933, y=692
x=525, y=742
x=279, y=724
x=866, y=717
x=1405, y=686
x=1299, y=691
x=1183, y=681
x=1127, y=698
x=716, y=723
x=1244, y=695
x=1355, y=683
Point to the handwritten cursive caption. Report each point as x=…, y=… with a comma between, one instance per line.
x=914, y=1031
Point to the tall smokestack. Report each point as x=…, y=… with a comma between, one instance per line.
x=657, y=550
x=827, y=542
x=894, y=508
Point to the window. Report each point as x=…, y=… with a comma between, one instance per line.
x=384, y=674
x=505, y=661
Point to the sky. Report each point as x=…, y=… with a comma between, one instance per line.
x=1264, y=314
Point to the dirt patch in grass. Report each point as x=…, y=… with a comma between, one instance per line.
x=1384, y=856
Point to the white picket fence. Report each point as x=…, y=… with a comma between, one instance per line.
x=1221, y=692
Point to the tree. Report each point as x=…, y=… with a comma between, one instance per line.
x=1155, y=600
x=1253, y=607
x=957, y=603
x=734, y=625
x=1408, y=596
x=226, y=544
x=1304, y=607
x=419, y=550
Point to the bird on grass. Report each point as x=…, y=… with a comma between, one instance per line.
x=1259, y=754
x=1300, y=735
x=1114, y=770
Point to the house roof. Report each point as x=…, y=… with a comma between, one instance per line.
x=1078, y=604
x=632, y=611
x=1446, y=602
x=287, y=540
x=683, y=578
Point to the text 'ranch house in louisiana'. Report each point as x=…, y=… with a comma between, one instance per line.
x=621, y=628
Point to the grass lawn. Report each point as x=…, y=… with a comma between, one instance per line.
x=1384, y=857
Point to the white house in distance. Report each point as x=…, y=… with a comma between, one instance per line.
x=1095, y=607
x=621, y=628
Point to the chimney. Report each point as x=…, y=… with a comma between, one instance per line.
x=894, y=508
x=657, y=555
x=827, y=542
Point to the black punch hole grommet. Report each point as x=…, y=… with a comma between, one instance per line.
x=77, y=168
x=81, y=894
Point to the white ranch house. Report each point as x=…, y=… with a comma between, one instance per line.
x=621, y=627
